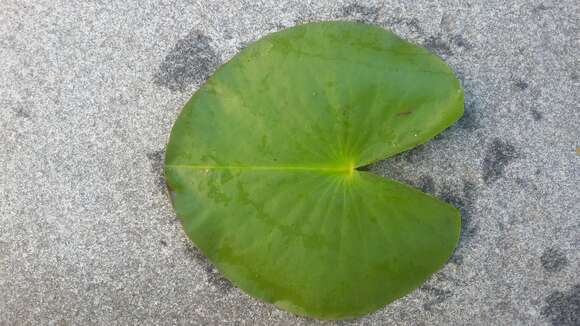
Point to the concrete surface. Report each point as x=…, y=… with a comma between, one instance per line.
x=90, y=89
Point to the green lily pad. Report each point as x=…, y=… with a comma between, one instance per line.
x=263, y=168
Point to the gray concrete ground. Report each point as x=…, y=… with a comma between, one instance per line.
x=90, y=89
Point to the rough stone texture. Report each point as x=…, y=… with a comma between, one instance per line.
x=89, y=91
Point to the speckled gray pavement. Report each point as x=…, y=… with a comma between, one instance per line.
x=89, y=91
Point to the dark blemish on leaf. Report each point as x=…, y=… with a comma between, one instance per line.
x=404, y=114
x=553, y=260
x=437, y=45
x=497, y=156
x=563, y=309
x=214, y=277
x=536, y=115
x=437, y=296
x=189, y=62
x=574, y=76
x=156, y=161
x=360, y=13
x=426, y=184
x=163, y=243
x=521, y=85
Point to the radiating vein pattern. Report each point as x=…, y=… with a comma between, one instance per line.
x=261, y=168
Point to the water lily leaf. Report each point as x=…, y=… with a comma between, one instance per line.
x=262, y=167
